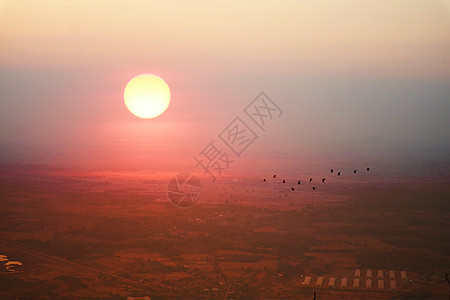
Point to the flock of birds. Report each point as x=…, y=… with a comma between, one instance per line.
x=310, y=179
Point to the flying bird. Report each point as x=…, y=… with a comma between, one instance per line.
x=298, y=182
x=284, y=181
x=323, y=180
x=310, y=179
x=264, y=180
x=331, y=171
x=368, y=169
x=275, y=176
x=339, y=173
x=292, y=188
x=314, y=188
x=354, y=171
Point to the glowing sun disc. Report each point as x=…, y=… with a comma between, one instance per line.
x=147, y=96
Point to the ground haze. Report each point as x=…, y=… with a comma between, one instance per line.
x=89, y=234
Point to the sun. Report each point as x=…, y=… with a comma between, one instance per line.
x=147, y=96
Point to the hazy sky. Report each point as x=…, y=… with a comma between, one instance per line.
x=368, y=75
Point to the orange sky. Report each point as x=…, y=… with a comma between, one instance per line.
x=356, y=74
x=361, y=34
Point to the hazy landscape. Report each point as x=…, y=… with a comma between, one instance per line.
x=107, y=234
x=293, y=149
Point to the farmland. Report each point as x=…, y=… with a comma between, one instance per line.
x=90, y=235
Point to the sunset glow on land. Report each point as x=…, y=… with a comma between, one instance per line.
x=147, y=96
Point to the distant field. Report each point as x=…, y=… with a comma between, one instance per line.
x=110, y=235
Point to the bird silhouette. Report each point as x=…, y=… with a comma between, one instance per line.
x=284, y=181
x=310, y=179
x=275, y=176
x=354, y=171
x=368, y=169
x=314, y=188
x=292, y=188
x=298, y=182
x=264, y=180
x=323, y=179
x=339, y=173
x=331, y=171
